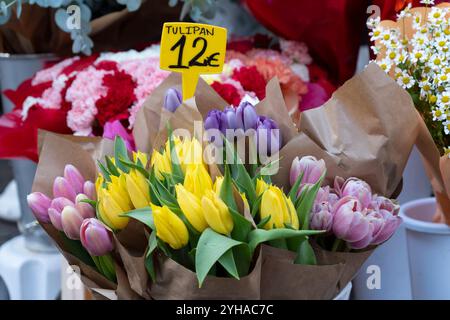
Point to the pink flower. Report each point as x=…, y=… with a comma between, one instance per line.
x=315, y=97
x=53, y=72
x=311, y=168
x=297, y=51
x=115, y=128
x=354, y=187
x=322, y=211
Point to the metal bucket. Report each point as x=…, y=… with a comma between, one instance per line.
x=14, y=69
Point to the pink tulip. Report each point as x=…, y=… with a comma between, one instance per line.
x=383, y=203
x=89, y=190
x=54, y=212
x=86, y=210
x=115, y=128
x=356, y=188
x=74, y=178
x=39, y=204
x=71, y=220
x=321, y=213
x=311, y=168
x=387, y=224
x=62, y=188
x=350, y=222
x=95, y=237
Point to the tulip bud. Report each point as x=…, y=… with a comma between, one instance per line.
x=321, y=217
x=268, y=137
x=311, y=168
x=261, y=186
x=39, y=204
x=280, y=208
x=89, y=190
x=216, y=213
x=386, y=227
x=74, y=178
x=71, y=220
x=169, y=227
x=140, y=156
x=138, y=189
x=86, y=210
x=172, y=99
x=161, y=164
x=54, y=212
x=197, y=180
x=95, y=237
x=246, y=116
x=62, y=188
x=228, y=120
x=191, y=207
x=349, y=222
x=213, y=120
x=358, y=189
x=218, y=185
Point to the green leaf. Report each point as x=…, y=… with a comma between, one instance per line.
x=256, y=206
x=93, y=203
x=305, y=206
x=305, y=254
x=259, y=236
x=132, y=165
x=111, y=167
x=242, y=226
x=121, y=153
x=104, y=171
x=149, y=264
x=177, y=172
x=143, y=215
x=263, y=222
x=227, y=261
x=226, y=191
x=294, y=190
x=211, y=246
x=75, y=248
x=106, y=265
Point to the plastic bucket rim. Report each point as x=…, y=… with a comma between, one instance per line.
x=419, y=225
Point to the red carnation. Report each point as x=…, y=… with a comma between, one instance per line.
x=115, y=104
x=228, y=92
x=251, y=80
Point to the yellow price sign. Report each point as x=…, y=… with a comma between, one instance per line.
x=192, y=49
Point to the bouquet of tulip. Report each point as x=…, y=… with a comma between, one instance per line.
x=198, y=220
x=413, y=51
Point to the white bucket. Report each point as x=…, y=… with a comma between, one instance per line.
x=345, y=293
x=428, y=249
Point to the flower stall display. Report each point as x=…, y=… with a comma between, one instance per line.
x=191, y=216
x=413, y=50
x=100, y=95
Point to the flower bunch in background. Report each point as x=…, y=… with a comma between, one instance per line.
x=352, y=216
x=252, y=62
x=72, y=212
x=419, y=62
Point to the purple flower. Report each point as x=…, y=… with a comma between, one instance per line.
x=213, y=120
x=322, y=211
x=356, y=188
x=268, y=136
x=311, y=168
x=74, y=177
x=246, y=116
x=54, y=212
x=62, y=188
x=115, y=128
x=95, y=237
x=228, y=120
x=39, y=204
x=172, y=99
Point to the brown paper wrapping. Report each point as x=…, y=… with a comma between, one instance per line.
x=437, y=169
x=175, y=282
x=36, y=31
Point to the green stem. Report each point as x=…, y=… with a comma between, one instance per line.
x=337, y=243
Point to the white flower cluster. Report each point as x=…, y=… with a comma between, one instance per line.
x=421, y=63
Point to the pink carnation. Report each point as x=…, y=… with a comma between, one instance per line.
x=296, y=51
x=85, y=90
x=52, y=73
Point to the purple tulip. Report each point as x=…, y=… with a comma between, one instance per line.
x=62, y=188
x=89, y=190
x=246, y=116
x=172, y=99
x=71, y=220
x=39, y=204
x=311, y=168
x=95, y=237
x=54, y=212
x=350, y=222
x=356, y=188
x=268, y=136
x=321, y=213
x=86, y=210
x=228, y=120
x=74, y=177
x=213, y=120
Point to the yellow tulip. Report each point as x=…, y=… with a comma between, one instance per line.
x=161, y=164
x=143, y=157
x=169, y=227
x=138, y=189
x=261, y=186
x=218, y=185
x=279, y=207
x=216, y=213
x=197, y=180
x=193, y=153
x=191, y=207
x=114, y=201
